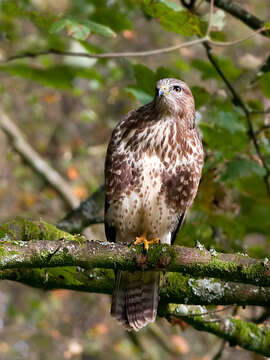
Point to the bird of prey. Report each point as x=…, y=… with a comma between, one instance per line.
x=152, y=172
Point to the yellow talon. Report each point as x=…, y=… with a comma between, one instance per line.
x=155, y=240
x=142, y=239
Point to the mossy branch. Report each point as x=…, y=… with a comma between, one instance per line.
x=25, y=243
x=175, y=287
x=39, y=254
x=237, y=332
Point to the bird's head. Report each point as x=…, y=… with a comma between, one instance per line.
x=174, y=97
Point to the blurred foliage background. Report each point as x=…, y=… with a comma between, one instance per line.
x=67, y=106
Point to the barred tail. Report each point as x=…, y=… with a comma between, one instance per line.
x=135, y=298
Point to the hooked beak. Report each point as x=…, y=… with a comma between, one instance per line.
x=162, y=91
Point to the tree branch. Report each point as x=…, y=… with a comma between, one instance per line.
x=237, y=11
x=24, y=244
x=111, y=55
x=51, y=176
x=57, y=259
x=237, y=332
x=88, y=213
x=176, y=288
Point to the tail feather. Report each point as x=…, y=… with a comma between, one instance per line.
x=151, y=297
x=133, y=306
x=118, y=307
x=135, y=298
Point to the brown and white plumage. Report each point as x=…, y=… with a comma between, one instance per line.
x=152, y=172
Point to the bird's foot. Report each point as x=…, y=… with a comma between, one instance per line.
x=143, y=240
x=154, y=241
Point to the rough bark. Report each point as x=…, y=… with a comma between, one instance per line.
x=25, y=243
x=39, y=254
x=236, y=332
x=88, y=213
x=175, y=288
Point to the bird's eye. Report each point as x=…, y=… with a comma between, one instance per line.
x=177, y=88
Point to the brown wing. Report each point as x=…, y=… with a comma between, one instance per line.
x=110, y=231
x=118, y=173
x=177, y=227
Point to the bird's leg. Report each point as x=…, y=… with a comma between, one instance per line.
x=143, y=240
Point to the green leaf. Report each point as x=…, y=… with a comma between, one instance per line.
x=143, y=91
x=201, y=96
x=80, y=30
x=73, y=29
x=209, y=72
x=163, y=72
x=217, y=140
x=207, y=69
x=170, y=4
x=173, y=17
x=20, y=9
x=255, y=104
x=253, y=185
x=112, y=17
x=224, y=116
x=242, y=168
x=224, y=130
x=58, y=76
x=227, y=120
x=140, y=95
x=100, y=29
x=145, y=78
x=182, y=65
x=265, y=84
x=255, y=214
x=92, y=49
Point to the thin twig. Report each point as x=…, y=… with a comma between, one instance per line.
x=258, y=112
x=239, y=101
x=26, y=151
x=218, y=355
x=263, y=128
x=236, y=42
x=189, y=5
x=111, y=55
x=210, y=18
x=210, y=312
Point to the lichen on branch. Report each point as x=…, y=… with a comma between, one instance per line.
x=237, y=332
x=25, y=243
x=39, y=254
x=175, y=287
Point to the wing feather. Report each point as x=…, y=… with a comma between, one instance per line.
x=110, y=231
x=177, y=227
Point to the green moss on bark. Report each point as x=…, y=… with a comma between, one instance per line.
x=237, y=332
x=26, y=230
